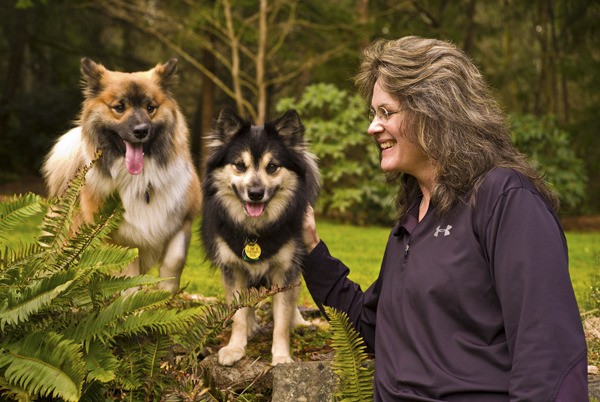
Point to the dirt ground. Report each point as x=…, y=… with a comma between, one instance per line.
x=35, y=185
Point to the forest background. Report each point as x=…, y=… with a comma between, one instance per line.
x=261, y=56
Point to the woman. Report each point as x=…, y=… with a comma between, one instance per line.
x=473, y=301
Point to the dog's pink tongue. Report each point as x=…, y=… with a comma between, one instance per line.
x=134, y=158
x=255, y=209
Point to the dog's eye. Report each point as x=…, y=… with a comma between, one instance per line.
x=272, y=168
x=240, y=167
x=151, y=109
x=120, y=108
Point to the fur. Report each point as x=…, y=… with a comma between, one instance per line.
x=135, y=121
x=259, y=182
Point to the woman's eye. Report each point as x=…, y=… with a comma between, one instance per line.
x=240, y=167
x=272, y=168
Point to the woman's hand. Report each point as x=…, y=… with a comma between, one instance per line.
x=309, y=230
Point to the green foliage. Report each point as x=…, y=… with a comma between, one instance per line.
x=69, y=329
x=354, y=187
x=551, y=151
x=350, y=363
x=16, y=210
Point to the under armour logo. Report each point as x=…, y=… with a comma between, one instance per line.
x=445, y=231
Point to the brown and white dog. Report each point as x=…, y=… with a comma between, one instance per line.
x=135, y=121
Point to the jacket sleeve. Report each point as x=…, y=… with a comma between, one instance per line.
x=327, y=280
x=528, y=259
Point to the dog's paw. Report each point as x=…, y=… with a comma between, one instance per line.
x=229, y=355
x=298, y=320
x=281, y=360
x=170, y=285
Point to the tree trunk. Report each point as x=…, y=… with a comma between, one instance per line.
x=235, y=60
x=18, y=38
x=362, y=8
x=207, y=106
x=260, y=63
x=468, y=42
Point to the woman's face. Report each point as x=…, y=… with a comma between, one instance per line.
x=398, y=153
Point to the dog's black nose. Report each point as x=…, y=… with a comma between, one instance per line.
x=256, y=193
x=141, y=130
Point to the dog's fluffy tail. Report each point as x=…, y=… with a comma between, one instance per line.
x=63, y=161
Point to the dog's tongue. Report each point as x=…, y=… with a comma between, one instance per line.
x=255, y=209
x=134, y=158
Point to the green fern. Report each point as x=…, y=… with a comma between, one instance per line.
x=46, y=364
x=19, y=306
x=17, y=209
x=350, y=363
x=58, y=224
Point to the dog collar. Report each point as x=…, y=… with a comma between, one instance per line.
x=251, y=251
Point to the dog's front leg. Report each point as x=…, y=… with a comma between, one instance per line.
x=236, y=348
x=284, y=306
x=243, y=322
x=174, y=259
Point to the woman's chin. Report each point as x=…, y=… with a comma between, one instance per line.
x=388, y=166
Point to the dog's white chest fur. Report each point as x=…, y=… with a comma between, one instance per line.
x=154, y=200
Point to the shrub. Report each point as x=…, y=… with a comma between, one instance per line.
x=551, y=152
x=354, y=187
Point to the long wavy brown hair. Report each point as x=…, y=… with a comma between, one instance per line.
x=451, y=114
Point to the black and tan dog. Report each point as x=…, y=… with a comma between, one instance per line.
x=259, y=182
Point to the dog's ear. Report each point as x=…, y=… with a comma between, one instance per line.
x=167, y=74
x=289, y=127
x=91, y=74
x=229, y=124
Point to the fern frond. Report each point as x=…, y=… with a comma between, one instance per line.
x=161, y=321
x=94, y=391
x=88, y=235
x=17, y=209
x=58, y=223
x=15, y=263
x=107, y=258
x=109, y=321
x=350, y=360
x=12, y=392
x=140, y=368
x=112, y=285
x=18, y=307
x=100, y=362
x=45, y=364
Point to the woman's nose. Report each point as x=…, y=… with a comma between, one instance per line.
x=375, y=127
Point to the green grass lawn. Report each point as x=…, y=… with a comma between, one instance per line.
x=361, y=248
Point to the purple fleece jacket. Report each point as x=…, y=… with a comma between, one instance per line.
x=475, y=306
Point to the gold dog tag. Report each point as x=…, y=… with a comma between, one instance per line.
x=251, y=251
